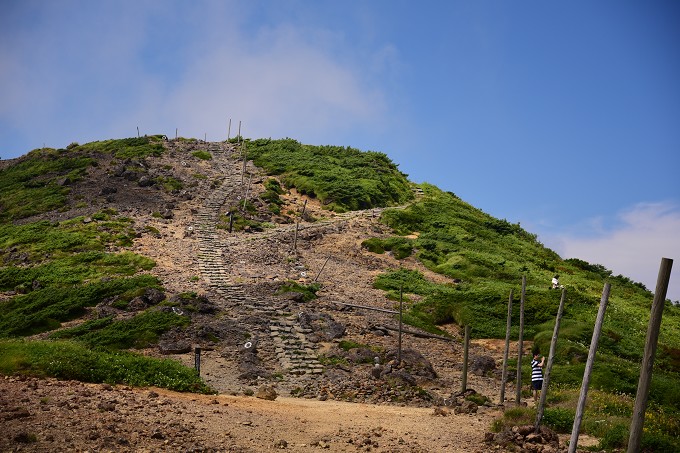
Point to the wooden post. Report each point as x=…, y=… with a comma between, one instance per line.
x=229, y=130
x=466, y=348
x=205, y=137
x=175, y=133
x=648, y=358
x=137, y=131
x=231, y=220
x=401, y=307
x=573, y=441
x=520, y=344
x=551, y=359
x=197, y=359
x=245, y=162
x=297, y=226
x=504, y=376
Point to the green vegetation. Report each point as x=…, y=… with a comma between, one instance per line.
x=54, y=271
x=203, y=155
x=271, y=195
x=308, y=291
x=341, y=178
x=485, y=258
x=40, y=181
x=138, y=332
x=69, y=360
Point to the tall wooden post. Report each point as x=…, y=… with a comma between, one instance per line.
x=573, y=441
x=401, y=308
x=551, y=359
x=648, y=358
x=466, y=348
x=520, y=344
x=229, y=130
x=504, y=375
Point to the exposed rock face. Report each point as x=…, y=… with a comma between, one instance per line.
x=483, y=365
x=525, y=439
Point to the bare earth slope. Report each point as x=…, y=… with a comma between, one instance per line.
x=254, y=338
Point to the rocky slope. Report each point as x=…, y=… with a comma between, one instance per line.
x=251, y=336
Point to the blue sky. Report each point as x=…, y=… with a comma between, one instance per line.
x=563, y=116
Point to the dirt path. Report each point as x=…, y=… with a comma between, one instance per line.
x=49, y=415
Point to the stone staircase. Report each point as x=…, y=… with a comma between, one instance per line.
x=294, y=352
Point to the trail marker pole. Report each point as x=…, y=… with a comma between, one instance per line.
x=197, y=359
x=551, y=359
x=401, y=308
x=466, y=348
x=573, y=441
x=648, y=358
x=504, y=375
x=520, y=345
x=137, y=131
x=175, y=133
x=229, y=130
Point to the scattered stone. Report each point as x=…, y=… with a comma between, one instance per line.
x=266, y=392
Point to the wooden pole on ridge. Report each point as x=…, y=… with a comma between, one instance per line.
x=466, y=348
x=504, y=375
x=551, y=359
x=648, y=358
x=573, y=441
x=401, y=308
x=520, y=345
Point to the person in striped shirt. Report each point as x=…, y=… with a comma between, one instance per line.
x=537, y=374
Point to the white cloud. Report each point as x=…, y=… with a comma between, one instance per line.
x=646, y=233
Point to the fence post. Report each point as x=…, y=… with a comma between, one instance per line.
x=197, y=359
x=466, y=348
x=551, y=358
x=520, y=345
x=504, y=375
x=401, y=308
x=573, y=441
x=648, y=358
x=229, y=130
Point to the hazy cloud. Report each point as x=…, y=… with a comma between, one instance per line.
x=634, y=247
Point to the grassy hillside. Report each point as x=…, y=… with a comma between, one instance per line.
x=53, y=272
x=487, y=257
x=343, y=179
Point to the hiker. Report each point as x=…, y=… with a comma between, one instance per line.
x=555, y=282
x=537, y=374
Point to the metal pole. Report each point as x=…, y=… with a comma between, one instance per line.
x=648, y=358
x=504, y=375
x=551, y=359
x=520, y=345
x=466, y=347
x=573, y=441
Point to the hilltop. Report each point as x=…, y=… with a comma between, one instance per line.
x=145, y=223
